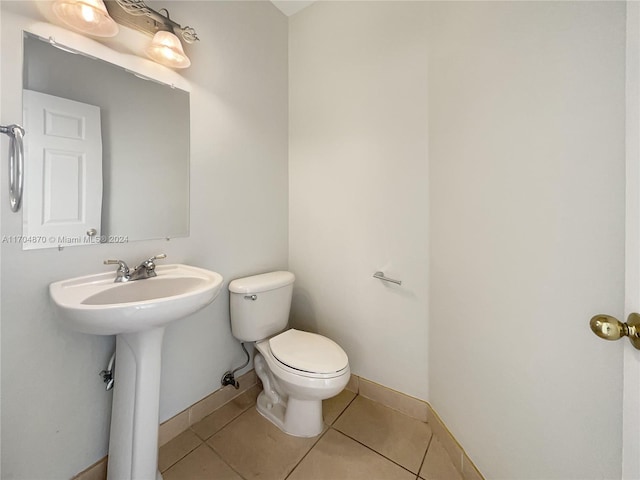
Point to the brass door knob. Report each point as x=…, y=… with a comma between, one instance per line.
x=610, y=328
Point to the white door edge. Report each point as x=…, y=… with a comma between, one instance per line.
x=631, y=357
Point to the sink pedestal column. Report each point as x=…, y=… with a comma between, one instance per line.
x=133, y=443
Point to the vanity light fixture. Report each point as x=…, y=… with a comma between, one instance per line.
x=166, y=47
x=87, y=16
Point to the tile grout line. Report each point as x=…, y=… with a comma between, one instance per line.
x=223, y=460
x=204, y=441
x=236, y=418
x=375, y=451
x=222, y=427
x=344, y=409
x=228, y=423
x=329, y=427
x=185, y=455
x=320, y=437
x=307, y=452
x=425, y=455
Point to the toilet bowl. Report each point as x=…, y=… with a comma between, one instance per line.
x=297, y=369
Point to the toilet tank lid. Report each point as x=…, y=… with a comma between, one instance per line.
x=262, y=283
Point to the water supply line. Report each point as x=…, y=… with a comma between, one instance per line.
x=108, y=375
x=229, y=376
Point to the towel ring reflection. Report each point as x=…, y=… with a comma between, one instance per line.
x=16, y=163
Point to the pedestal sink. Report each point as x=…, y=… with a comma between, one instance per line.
x=137, y=313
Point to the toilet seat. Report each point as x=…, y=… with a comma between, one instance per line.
x=308, y=352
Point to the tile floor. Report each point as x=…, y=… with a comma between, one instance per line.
x=362, y=440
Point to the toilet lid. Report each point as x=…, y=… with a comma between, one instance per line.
x=308, y=352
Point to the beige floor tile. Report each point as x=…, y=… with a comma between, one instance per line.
x=173, y=427
x=218, y=419
x=469, y=470
x=333, y=407
x=437, y=464
x=201, y=464
x=396, y=436
x=177, y=448
x=445, y=438
x=353, y=383
x=257, y=449
x=338, y=457
x=97, y=471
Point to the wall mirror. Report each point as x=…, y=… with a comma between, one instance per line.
x=106, y=151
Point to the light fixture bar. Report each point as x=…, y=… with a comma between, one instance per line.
x=135, y=7
x=138, y=15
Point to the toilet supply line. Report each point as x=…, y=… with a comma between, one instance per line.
x=229, y=376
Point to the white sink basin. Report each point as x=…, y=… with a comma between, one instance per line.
x=95, y=304
x=136, y=312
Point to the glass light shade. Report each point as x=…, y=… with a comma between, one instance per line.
x=165, y=48
x=87, y=16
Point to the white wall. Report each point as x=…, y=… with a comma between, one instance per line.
x=524, y=103
x=55, y=412
x=526, y=152
x=358, y=183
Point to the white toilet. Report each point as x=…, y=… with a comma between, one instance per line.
x=297, y=369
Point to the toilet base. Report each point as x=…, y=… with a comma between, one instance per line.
x=300, y=418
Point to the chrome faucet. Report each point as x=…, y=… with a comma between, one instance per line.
x=146, y=269
x=122, y=274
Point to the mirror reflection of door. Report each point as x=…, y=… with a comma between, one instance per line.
x=63, y=171
x=145, y=138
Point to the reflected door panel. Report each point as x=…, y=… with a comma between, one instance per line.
x=63, y=171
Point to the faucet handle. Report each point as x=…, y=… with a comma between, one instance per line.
x=123, y=266
x=122, y=274
x=159, y=256
x=149, y=263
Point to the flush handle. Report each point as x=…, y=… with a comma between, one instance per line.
x=610, y=328
x=251, y=297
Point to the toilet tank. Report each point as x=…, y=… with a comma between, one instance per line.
x=260, y=305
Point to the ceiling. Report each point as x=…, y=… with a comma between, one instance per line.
x=291, y=7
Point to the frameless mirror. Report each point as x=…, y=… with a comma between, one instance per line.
x=106, y=151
